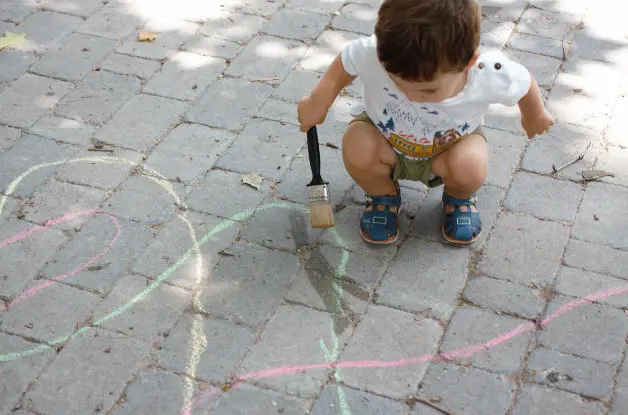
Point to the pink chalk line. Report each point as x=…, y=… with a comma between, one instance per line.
x=463, y=352
x=198, y=400
x=32, y=291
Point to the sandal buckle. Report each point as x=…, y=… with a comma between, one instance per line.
x=463, y=220
x=380, y=220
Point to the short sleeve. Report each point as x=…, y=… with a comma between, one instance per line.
x=504, y=80
x=356, y=53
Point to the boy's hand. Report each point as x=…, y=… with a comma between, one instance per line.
x=537, y=124
x=311, y=112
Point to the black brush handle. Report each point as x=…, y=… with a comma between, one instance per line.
x=315, y=157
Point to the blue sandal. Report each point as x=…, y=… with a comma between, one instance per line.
x=381, y=226
x=461, y=228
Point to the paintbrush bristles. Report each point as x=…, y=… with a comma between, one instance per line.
x=322, y=215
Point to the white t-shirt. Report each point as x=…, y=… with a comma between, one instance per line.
x=422, y=130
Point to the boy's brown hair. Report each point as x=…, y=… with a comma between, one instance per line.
x=416, y=39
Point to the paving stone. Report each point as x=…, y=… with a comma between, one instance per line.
x=578, y=283
x=9, y=207
x=577, y=7
x=266, y=8
x=504, y=296
x=171, y=34
x=64, y=129
x=502, y=9
x=152, y=392
x=109, y=358
x=45, y=30
x=543, y=68
x=506, y=150
x=536, y=44
x=359, y=402
x=602, y=82
x=235, y=27
x=24, y=258
x=185, y=76
x=75, y=59
x=175, y=240
x=538, y=400
x=326, y=48
x=83, y=9
x=466, y=390
x=504, y=118
x=219, y=345
x=620, y=396
x=112, y=22
x=18, y=374
x=189, y=151
x=130, y=65
x=473, y=326
x=601, y=45
x=248, y=286
x=412, y=200
x=297, y=85
x=51, y=313
x=387, y=335
x=287, y=341
x=29, y=98
x=425, y=277
x=357, y=18
x=248, y=399
x=55, y=199
x=8, y=137
x=283, y=227
x=296, y=24
x=98, y=96
x=277, y=110
x=348, y=227
x=583, y=111
x=229, y=204
x=585, y=332
x=430, y=217
x=606, y=230
x=615, y=132
x=562, y=144
x=141, y=122
x=13, y=64
x=574, y=374
x=546, y=23
x=597, y=258
x=30, y=151
x=266, y=57
x=524, y=250
x=268, y=145
x=293, y=183
x=345, y=108
x=229, y=103
x=153, y=312
x=16, y=10
x=191, y=10
x=211, y=46
x=321, y=7
x=495, y=33
x=93, y=239
x=538, y=196
x=143, y=200
x=613, y=161
x=100, y=172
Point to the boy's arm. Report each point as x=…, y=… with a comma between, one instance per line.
x=312, y=110
x=534, y=117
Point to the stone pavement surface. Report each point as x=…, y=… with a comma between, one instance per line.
x=139, y=275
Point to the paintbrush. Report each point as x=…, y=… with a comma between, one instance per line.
x=321, y=212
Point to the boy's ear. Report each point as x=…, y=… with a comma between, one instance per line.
x=475, y=57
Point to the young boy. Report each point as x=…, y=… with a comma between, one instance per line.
x=426, y=89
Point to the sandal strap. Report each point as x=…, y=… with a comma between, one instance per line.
x=454, y=201
x=384, y=200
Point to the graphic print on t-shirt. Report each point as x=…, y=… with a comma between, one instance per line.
x=401, y=122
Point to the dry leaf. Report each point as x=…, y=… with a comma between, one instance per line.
x=147, y=36
x=590, y=175
x=578, y=90
x=253, y=180
x=11, y=38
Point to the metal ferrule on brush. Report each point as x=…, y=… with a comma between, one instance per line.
x=319, y=194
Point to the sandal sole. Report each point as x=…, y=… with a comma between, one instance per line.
x=456, y=242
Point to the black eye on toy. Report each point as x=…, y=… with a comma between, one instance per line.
x=498, y=66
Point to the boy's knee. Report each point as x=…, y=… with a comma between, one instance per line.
x=362, y=146
x=468, y=167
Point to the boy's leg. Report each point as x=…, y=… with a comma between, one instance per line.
x=464, y=169
x=370, y=160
